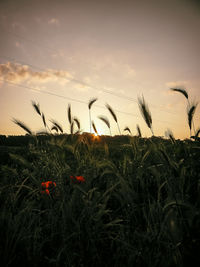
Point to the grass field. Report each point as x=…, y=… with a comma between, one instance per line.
x=113, y=201
x=82, y=199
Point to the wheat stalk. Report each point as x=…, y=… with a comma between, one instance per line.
x=144, y=109
x=182, y=91
x=57, y=125
x=22, y=125
x=190, y=113
x=36, y=107
x=106, y=121
x=127, y=129
x=113, y=115
x=77, y=123
x=91, y=102
x=69, y=113
x=54, y=128
x=94, y=127
x=72, y=127
x=138, y=130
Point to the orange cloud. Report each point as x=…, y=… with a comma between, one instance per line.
x=18, y=73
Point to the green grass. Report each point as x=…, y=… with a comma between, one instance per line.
x=139, y=205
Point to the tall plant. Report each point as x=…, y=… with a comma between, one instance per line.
x=106, y=121
x=146, y=114
x=91, y=102
x=191, y=107
x=36, y=106
x=190, y=114
x=138, y=130
x=114, y=116
x=128, y=130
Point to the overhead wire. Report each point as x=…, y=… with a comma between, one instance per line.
x=71, y=99
x=81, y=82
x=71, y=79
x=78, y=80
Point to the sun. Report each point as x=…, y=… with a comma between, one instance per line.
x=99, y=132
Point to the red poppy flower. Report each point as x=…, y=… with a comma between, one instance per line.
x=43, y=185
x=46, y=185
x=79, y=179
x=46, y=191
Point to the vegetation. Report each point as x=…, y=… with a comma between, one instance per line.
x=85, y=200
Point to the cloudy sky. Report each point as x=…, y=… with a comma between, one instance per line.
x=61, y=52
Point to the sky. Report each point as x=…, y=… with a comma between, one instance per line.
x=60, y=52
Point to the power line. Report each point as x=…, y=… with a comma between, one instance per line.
x=77, y=80
x=84, y=83
x=74, y=80
x=69, y=98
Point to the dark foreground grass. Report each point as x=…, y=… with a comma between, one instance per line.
x=138, y=204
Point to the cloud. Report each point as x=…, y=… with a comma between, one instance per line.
x=19, y=73
x=53, y=21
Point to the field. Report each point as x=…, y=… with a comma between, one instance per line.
x=81, y=200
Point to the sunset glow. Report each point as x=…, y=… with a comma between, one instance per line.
x=61, y=52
